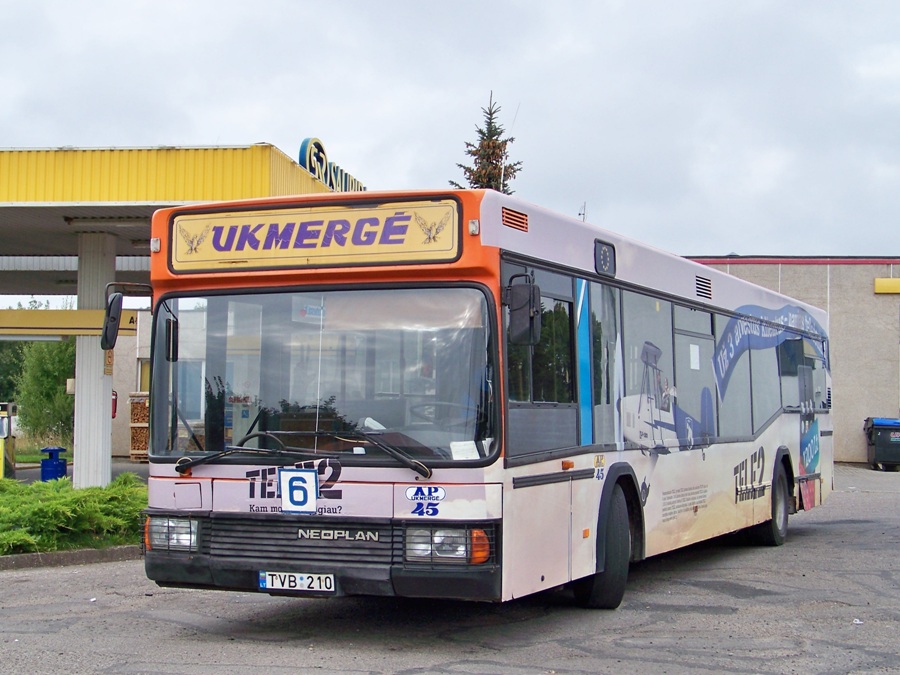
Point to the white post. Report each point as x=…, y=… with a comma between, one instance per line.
x=93, y=389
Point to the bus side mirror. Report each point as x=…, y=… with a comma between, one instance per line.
x=524, y=302
x=111, y=320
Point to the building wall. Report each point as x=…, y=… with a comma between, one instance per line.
x=864, y=329
x=126, y=381
x=123, y=382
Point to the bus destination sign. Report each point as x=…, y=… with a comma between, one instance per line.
x=402, y=232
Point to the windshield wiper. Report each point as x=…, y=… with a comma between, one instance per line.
x=394, y=451
x=185, y=463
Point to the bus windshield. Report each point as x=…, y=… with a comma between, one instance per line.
x=360, y=374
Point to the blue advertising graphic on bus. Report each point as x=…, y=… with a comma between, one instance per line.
x=742, y=334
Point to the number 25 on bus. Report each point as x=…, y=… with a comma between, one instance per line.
x=458, y=394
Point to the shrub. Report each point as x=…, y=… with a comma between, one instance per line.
x=53, y=516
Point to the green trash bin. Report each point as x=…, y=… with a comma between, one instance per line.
x=883, y=440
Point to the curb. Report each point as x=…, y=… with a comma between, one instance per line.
x=85, y=556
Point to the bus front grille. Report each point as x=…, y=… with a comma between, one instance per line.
x=309, y=540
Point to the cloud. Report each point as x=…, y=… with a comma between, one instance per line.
x=702, y=127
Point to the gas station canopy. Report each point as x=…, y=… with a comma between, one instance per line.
x=48, y=197
x=40, y=244
x=73, y=220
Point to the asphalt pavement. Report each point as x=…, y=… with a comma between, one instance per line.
x=828, y=601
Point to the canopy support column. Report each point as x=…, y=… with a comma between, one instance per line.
x=93, y=387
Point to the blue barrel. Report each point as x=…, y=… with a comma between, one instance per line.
x=53, y=467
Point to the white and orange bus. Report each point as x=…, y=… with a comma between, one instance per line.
x=458, y=394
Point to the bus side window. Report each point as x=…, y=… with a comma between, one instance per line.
x=821, y=395
x=734, y=397
x=553, y=358
x=544, y=373
x=647, y=335
x=604, y=335
x=695, y=381
x=765, y=386
x=541, y=378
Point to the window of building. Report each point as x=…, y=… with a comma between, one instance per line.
x=143, y=375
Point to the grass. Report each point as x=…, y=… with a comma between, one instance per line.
x=28, y=451
x=33, y=457
x=54, y=516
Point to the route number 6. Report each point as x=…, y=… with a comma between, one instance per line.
x=299, y=489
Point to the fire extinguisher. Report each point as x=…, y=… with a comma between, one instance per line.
x=115, y=403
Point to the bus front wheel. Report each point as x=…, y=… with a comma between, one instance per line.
x=605, y=590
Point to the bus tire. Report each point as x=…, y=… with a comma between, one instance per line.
x=773, y=532
x=605, y=590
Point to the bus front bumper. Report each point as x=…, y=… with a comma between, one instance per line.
x=192, y=570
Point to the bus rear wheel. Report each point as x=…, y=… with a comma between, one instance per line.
x=605, y=590
x=773, y=532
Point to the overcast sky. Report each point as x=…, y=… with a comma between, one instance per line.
x=703, y=127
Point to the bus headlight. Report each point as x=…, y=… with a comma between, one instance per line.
x=449, y=545
x=170, y=534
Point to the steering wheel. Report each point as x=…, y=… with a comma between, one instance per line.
x=262, y=434
x=421, y=411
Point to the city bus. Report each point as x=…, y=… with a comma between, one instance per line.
x=458, y=394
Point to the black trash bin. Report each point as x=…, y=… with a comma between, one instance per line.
x=883, y=439
x=53, y=467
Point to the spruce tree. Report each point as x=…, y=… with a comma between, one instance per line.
x=491, y=167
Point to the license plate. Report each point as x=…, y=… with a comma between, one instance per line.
x=296, y=581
